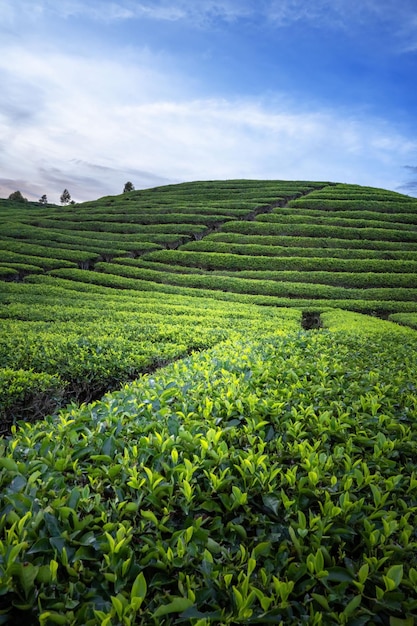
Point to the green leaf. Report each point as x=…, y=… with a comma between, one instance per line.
x=352, y=606
x=398, y=621
x=139, y=587
x=44, y=575
x=363, y=573
x=51, y=617
x=8, y=464
x=101, y=458
x=114, y=470
x=27, y=575
x=395, y=573
x=319, y=561
x=262, y=549
x=393, y=577
x=322, y=600
x=150, y=516
x=338, y=574
x=118, y=606
x=178, y=605
x=41, y=545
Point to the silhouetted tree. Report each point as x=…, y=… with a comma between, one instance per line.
x=128, y=187
x=65, y=197
x=43, y=199
x=16, y=196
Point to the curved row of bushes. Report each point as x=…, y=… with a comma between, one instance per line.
x=213, y=243
x=402, y=204
x=236, y=262
x=232, y=284
x=402, y=218
x=312, y=242
x=90, y=340
x=344, y=222
x=320, y=230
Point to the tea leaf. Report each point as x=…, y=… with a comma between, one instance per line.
x=177, y=605
x=139, y=587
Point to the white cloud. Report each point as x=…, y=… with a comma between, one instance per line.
x=89, y=123
x=283, y=11
x=401, y=18
x=104, y=10
x=89, y=131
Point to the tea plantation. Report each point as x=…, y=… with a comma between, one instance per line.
x=208, y=407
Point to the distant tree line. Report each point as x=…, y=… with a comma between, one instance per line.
x=65, y=197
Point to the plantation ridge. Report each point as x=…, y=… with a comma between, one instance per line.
x=208, y=407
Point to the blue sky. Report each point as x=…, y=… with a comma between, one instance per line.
x=97, y=92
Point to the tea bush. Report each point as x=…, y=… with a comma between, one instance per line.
x=96, y=341
x=312, y=242
x=210, y=244
x=407, y=319
x=270, y=479
x=320, y=230
x=227, y=261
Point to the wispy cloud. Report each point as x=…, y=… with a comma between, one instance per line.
x=282, y=11
x=90, y=120
x=90, y=133
x=410, y=185
x=103, y=10
x=400, y=19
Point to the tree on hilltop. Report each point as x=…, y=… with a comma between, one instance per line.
x=65, y=197
x=16, y=196
x=43, y=199
x=128, y=187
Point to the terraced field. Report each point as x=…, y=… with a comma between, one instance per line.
x=70, y=333
x=253, y=460
x=303, y=244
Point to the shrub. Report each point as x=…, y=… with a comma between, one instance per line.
x=27, y=395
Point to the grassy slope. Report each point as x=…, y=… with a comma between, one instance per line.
x=269, y=477
x=275, y=239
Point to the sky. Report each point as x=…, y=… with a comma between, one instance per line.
x=95, y=93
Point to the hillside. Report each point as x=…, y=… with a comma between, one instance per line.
x=205, y=419
x=302, y=244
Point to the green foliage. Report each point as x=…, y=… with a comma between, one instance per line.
x=270, y=479
x=27, y=395
x=263, y=231
x=215, y=261
x=406, y=319
x=268, y=474
x=46, y=253
x=97, y=342
x=340, y=220
x=364, y=215
x=8, y=273
x=227, y=244
x=313, y=242
x=271, y=285
x=304, y=229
